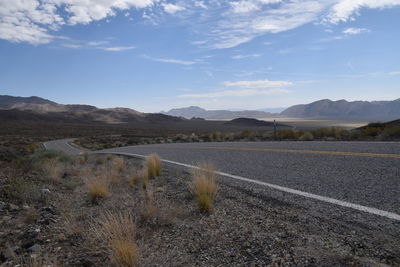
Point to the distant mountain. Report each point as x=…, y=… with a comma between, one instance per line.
x=36, y=109
x=7, y=102
x=375, y=110
x=198, y=112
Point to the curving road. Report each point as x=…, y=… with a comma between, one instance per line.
x=355, y=175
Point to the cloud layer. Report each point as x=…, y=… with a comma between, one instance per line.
x=220, y=23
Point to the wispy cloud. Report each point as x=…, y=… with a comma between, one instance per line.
x=221, y=24
x=117, y=48
x=394, y=73
x=246, y=56
x=172, y=8
x=170, y=60
x=238, y=93
x=354, y=31
x=257, y=84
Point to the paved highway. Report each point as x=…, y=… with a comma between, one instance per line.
x=355, y=175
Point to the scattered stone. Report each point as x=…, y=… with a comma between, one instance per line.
x=35, y=248
x=12, y=207
x=45, y=191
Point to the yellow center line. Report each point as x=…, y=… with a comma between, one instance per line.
x=318, y=152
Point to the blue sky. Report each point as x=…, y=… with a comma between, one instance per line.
x=154, y=55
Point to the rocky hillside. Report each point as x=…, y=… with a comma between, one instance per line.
x=36, y=109
x=379, y=110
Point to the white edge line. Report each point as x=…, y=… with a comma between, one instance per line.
x=358, y=207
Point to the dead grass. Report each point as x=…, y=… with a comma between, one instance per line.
x=53, y=169
x=98, y=188
x=153, y=164
x=134, y=178
x=118, y=164
x=145, y=177
x=204, y=186
x=117, y=230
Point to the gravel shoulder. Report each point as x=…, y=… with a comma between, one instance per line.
x=248, y=226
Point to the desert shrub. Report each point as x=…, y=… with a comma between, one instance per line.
x=390, y=133
x=98, y=188
x=53, y=169
x=371, y=131
x=41, y=158
x=204, y=186
x=153, y=164
x=288, y=134
x=117, y=231
x=307, y=136
x=23, y=190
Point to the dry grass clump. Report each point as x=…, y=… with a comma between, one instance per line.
x=153, y=164
x=53, y=169
x=118, y=232
x=98, y=188
x=134, y=178
x=118, y=164
x=145, y=177
x=204, y=186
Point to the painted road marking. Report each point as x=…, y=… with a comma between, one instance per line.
x=318, y=152
x=334, y=201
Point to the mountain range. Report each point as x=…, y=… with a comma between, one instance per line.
x=322, y=109
x=36, y=109
x=197, y=112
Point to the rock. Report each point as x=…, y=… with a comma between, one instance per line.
x=45, y=191
x=35, y=248
x=6, y=218
x=160, y=189
x=12, y=207
x=62, y=237
x=3, y=206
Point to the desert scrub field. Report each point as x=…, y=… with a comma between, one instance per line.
x=371, y=132
x=104, y=210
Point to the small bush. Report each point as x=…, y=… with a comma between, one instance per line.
x=53, y=169
x=118, y=232
x=98, y=188
x=118, y=164
x=204, y=186
x=307, y=136
x=153, y=164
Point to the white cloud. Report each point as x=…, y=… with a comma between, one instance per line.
x=33, y=21
x=393, y=73
x=171, y=8
x=170, y=60
x=354, y=31
x=257, y=84
x=117, y=48
x=97, y=43
x=221, y=23
x=345, y=10
x=200, y=4
x=246, y=56
x=238, y=93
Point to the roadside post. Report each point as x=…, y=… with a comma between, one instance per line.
x=275, y=129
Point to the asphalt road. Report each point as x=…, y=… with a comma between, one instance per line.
x=359, y=173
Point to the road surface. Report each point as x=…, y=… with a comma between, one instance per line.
x=353, y=175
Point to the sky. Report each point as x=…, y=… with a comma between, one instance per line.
x=153, y=55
